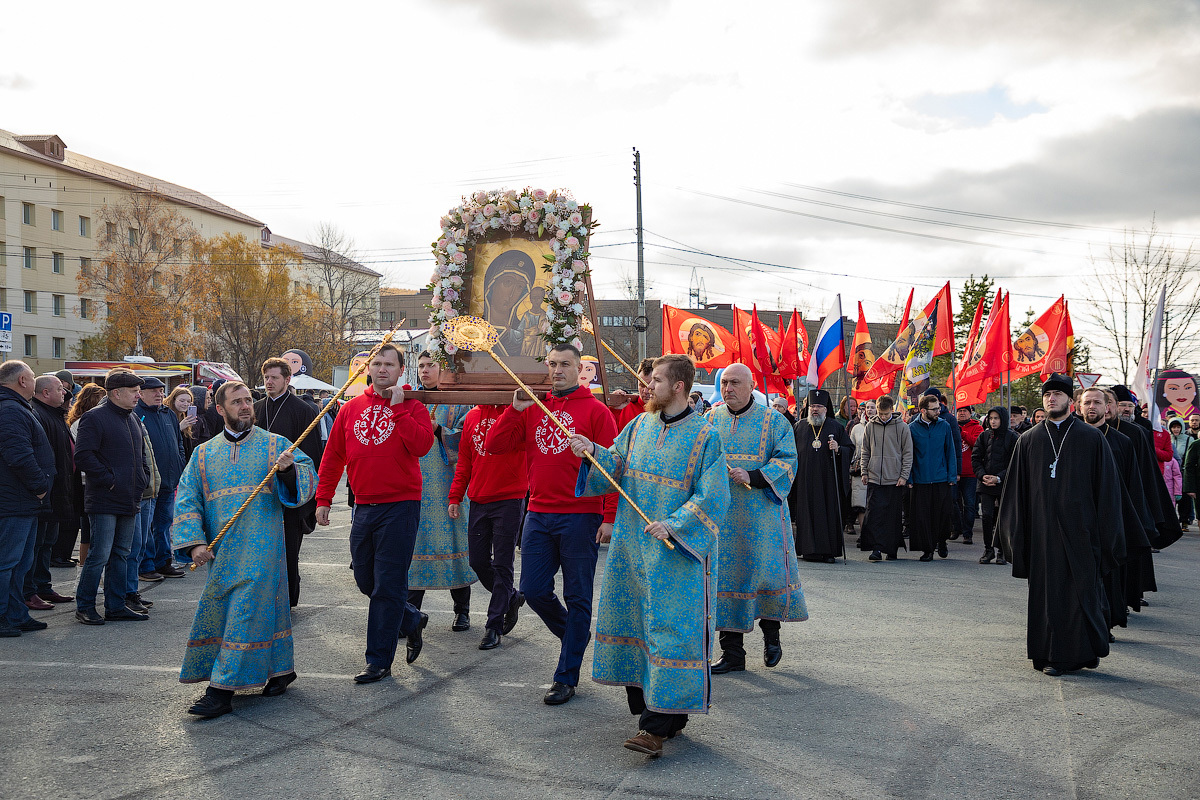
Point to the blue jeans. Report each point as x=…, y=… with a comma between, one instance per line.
x=158, y=544
x=112, y=536
x=17, y=538
x=966, y=495
x=551, y=541
x=38, y=579
x=382, y=538
x=139, y=546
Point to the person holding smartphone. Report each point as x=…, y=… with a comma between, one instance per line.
x=183, y=403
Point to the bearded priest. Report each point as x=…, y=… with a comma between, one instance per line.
x=824, y=452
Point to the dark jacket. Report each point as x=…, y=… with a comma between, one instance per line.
x=62, y=495
x=163, y=426
x=109, y=451
x=26, y=458
x=934, y=458
x=1191, y=468
x=992, y=453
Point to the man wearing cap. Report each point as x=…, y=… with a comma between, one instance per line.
x=824, y=452
x=1060, y=524
x=48, y=408
x=108, y=450
x=166, y=436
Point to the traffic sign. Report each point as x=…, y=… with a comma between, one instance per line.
x=5, y=332
x=1087, y=379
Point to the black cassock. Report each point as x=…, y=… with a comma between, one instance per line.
x=822, y=484
x=1165, y=530
x=1061, y=527
x=1122, y=584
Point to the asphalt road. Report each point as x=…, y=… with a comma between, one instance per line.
x=910, y=680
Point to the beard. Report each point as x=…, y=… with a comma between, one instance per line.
x=240, y=424
x=656, y=404
x=1093, y=417
x=816, y=418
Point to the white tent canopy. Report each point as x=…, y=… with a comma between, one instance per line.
x=309, y=382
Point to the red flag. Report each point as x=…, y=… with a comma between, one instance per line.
x=793, y=353
x=709, y=345
x=972, y=338
x=907, y=309
x=944, y=336
x=763, y=360
x=1060, y=355
x=988, y=359
x=1029, y=350
x=862, y=356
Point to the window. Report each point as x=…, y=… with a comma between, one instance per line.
x=3, y=251
x=30, y=257
x=387, y=318
x=177, y=248
x=30, y=346
x=27, y=213
x=108, y=311
x=3, y=213
x=59, y=263
x=59, y=304
x=59, y=346
x=296, y=286
x=85, y=226
x=110, y=230
x=31, y=302
x=85, y=264
x=55, y=219
x=133, y=237
x=155, y=242
x=3, y=299
x=85, y=310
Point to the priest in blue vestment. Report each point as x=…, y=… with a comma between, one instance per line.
x=241, y=637
x=758, y=574
x=655, y=625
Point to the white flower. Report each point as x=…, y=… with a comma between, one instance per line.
x=495, y=222
x=572, y=205
x=456, y=280
x=578, y=344
x=577, y=308
x=451, y=249
x=568, y=330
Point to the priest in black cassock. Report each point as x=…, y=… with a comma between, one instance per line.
x=286, y=414
x=824, y=452
x=1060, y=525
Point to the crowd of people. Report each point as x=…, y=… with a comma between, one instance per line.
x=706, y=509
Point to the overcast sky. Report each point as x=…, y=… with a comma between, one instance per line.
x=377, y=117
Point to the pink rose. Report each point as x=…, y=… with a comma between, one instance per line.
x=578, y=266
x=456, y=281
x=489, y=210
x=575, y=219
x=459, y=258
x=534, y=215
x=515, y=219
x=450, y=349
x=539, y=195
x=564, y=297
x=560, y=234
x=579, y=286
x=450, y=295
x=479, y=197
x=572, y=243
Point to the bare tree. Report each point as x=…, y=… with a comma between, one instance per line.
x=1123, y=290
x=350, y=293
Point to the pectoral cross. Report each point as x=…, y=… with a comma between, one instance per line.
x=1054, y=468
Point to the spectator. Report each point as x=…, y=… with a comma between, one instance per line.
x=166, y=434
x=934, y=473
x=142, y=532
x=858, y=488
x=108, y=448
x=86, y=399
x=848, y=412
x=179, y=401
x=1039, y=414
x=1173, y=477
x=69, y=386
x=48, y=407
x=969, y=429
x=780, y=403
x=989, y=460
x=1017, y=419
x=1181, y=437
x=886, y=463
x=26, y=478
x=1191, y=471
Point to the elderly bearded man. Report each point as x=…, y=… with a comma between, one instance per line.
x=824, y=452
x=242, y=634
x=654, y=631
x=757, y=574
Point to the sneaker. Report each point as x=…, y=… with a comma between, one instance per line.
x=876, y=556
x=987, y=556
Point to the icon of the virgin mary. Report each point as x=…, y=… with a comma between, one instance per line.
x=512, y=303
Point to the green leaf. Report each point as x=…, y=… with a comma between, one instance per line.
x=542, y=229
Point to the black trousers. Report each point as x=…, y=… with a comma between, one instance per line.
x=461, y=597
x=882, y=527
x=988, y=504
x=1186, y=510
x=733, y=646
x=492, y=542
x=929, y=525
x=297, y=523
x=653, y=721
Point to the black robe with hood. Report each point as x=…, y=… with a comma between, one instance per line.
x=822, y=485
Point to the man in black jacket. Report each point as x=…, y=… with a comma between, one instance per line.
x=166, y=437
x=989, y=459
x=49, y=407
x=287, y=414
x=109, y=451
x=26, y=475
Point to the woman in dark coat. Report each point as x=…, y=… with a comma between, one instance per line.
x=993, y=450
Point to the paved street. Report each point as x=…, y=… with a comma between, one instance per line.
x=910, y=680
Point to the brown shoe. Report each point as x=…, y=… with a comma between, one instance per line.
x=54, y=597
x=150, y=577
x=646, y=743
x=169, y=571
x=35, y=603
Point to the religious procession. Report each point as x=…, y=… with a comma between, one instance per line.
x=704, y=505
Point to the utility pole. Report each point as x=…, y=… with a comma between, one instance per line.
x=641, y=264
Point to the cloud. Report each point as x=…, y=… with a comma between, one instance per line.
x=542, y=21
x=15, y=82
x=974, y=109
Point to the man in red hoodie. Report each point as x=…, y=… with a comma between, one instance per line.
x=561, y=530
x=626, y=413
x=380, y=437
x=497, y=485
x=970, y=429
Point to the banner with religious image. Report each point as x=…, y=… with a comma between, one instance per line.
x=709, y=344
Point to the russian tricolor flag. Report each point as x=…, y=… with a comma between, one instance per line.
x=828, y=352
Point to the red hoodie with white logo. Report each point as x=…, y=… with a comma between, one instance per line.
x=484, y=476
x=553, y=468
x=381, y=444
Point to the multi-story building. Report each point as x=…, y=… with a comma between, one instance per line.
x=50, y=200
x=348, y=288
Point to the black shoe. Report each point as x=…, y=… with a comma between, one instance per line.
x=134, y=604
x=31, y=625
x=8, y=631
x=830, y=560
x=124, y=615
x=725, y=665
x=772, y=652
x=59, y=564
x=491, y=639
x=88, y=616
x=371, y=674
x=1053, y=672
x=144, y=601
x=1000, y=562
x=415, y=642
x=968, y=541
x=875, y=556
x=510, y=616
x=954, y=537
x=988, y=555
x=942, y=550
x=559, y=693
x=462, y=622
x=892, y=557
x=1111, y=638
x=211, y=707
x=278, y=685
x=927, y=557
